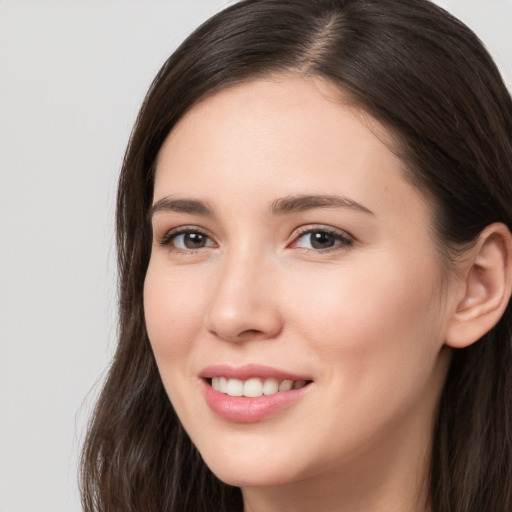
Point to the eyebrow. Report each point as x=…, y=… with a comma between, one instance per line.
x=281, y=206
x=302, y=203
x=192, y=206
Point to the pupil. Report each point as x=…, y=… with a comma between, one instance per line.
x=321, y=240
x=194, y=240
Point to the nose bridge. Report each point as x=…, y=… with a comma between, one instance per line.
x=241, y=307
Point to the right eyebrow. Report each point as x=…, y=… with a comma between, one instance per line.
x=166, y=204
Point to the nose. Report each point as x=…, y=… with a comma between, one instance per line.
x=244, y=305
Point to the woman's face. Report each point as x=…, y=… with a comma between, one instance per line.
x=289, y=247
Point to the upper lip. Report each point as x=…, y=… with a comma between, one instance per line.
x=249, y=371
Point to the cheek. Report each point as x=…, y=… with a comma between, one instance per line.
x=172, y=309
x=372, y=318
x=374, y=338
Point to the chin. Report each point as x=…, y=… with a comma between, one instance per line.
x=250, y=478
x=249, y=472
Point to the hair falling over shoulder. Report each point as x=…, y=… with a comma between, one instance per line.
x=428, y=79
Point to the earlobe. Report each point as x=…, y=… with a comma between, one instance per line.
x=486, y=288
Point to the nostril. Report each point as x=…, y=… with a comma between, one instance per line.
x=250, y=333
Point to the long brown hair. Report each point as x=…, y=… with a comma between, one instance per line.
x=427, y=78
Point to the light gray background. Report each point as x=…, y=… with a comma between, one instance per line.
x=72, y=76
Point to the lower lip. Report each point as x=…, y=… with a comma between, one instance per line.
x=241, y=409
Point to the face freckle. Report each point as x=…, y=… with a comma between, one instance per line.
x=339, y=287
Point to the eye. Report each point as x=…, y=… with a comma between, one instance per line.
x=322, y=239
x=187, y=239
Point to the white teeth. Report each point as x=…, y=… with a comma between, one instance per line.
x=254, y=387
x=270, y=386
x=235, y=387
x=223, y=385
x=286, y=385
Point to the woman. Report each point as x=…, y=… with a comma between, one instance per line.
x=315, y=263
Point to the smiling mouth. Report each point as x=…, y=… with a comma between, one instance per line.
x=254, y=387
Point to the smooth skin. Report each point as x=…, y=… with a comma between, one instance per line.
x=347, y=287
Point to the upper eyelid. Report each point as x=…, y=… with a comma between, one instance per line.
x=308, y=228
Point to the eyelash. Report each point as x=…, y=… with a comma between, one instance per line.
x=168, y=237
x=342, y=240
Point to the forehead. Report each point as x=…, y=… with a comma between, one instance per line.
x=279, y=101
x=282, y=136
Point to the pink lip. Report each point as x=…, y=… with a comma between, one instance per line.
x=240, y=409
x=249, y=371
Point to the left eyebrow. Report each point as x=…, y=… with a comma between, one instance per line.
x=301, y=203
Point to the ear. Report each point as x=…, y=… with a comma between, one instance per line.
x=486, y=287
